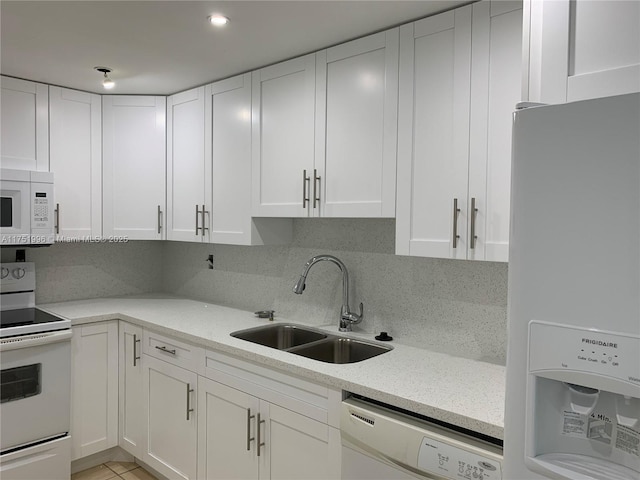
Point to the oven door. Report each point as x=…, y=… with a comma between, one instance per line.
x=35, y=390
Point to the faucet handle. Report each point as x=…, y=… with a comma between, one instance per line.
x=361, y=314
x=265, y=314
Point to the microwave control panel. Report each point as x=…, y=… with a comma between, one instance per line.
x=40, y=209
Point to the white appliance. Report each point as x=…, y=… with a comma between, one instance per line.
x=26, y=208
x=380, y=443
x=35, y=363
x=573, y=363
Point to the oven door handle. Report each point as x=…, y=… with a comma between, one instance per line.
x=34, y=340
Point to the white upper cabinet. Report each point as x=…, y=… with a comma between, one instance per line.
x=228, y=154
x=433, y=135
x=134, y=166
x=24, y=120
x=496, y=69
x=75, y=120
x=457, y=92
x=582, y=49
x=188, y=205
x=356, y=128
x=283, y=110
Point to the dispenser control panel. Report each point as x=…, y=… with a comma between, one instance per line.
x=564, y=347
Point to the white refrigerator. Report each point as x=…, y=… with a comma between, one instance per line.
x=573, y=361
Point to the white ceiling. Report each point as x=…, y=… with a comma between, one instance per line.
x=163, y=47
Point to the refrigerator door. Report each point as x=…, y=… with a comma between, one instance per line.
x=575, y=235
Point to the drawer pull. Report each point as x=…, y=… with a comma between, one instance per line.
x=166, y=350
x=135, y=354
x=189, y=392
x=260, y=444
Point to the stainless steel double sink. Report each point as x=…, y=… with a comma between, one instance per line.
x=311, y=343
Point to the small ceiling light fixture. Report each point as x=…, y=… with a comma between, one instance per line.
x=107, y=83
x=218, y=20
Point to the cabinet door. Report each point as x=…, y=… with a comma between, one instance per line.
x=24, y=123
x=495, y=90
x=170, y=398
x=226, y=432
x=186, y=166
x=228, y=120
x=75, y=120
x=433, y=138
x=131, y=401
x=283, y=109
x=134, y=166
x=297, y=447
x=582, y=49
x=356, y=128
x=94, y=388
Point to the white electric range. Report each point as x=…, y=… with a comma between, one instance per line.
x=35, y=359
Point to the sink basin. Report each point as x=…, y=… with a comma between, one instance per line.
x=340, y=350
x=281, y=336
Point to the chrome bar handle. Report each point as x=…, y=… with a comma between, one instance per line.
x=260, y=444
x=316, y=188
x=166, y=350
x=249, y=437
x=57, y=219
x=197, y=215
x=136, y=340
x=204, y=227
x=456, y=211
x=189, y=392
x=305, y=183
x=473, y=236
x=159, y=219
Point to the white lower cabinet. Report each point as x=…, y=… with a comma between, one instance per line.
x=94, y=388
x=195, y=414
x=171, y=438
x=243, y=437
x=131, y=401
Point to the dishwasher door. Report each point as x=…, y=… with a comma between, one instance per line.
x=411, y=447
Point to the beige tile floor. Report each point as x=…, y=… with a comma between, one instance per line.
x=115, y=471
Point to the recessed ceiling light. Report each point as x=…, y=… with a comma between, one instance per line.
x=218, y=20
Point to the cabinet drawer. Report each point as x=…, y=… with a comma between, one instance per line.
x=171, y=350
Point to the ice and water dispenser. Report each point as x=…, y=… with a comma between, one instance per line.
x=583, y=411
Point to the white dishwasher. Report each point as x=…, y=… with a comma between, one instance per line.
x=379, y=443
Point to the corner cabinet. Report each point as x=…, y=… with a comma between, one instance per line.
x=133, y=129
x=457, y=92
x=75, y=120
x=94, y=388
x=24, y=121
x=581, y=49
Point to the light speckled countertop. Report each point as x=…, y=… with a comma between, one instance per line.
x=456, y=390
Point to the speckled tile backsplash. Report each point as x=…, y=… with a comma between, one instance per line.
x=73, y=271
x=451, y=306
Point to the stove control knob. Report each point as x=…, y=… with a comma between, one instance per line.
x=18, y=273
x=5, y=272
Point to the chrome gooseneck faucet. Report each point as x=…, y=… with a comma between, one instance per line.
x=347, y=319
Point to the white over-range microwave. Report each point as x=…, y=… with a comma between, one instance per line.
x=27, y=209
